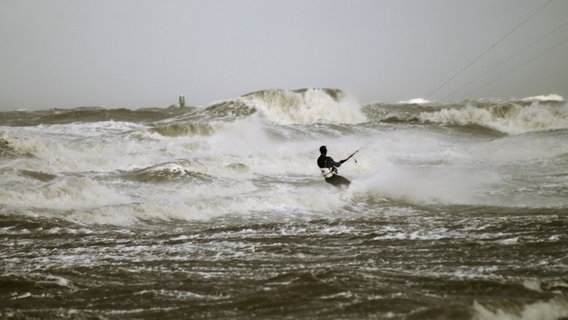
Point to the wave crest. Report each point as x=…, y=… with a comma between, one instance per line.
x=506, y=116
x=305, y=106
x=184, y=129
x=167, y=172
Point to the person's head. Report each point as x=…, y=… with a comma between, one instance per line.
x=323, y=150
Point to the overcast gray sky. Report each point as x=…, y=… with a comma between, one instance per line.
x=142, y=53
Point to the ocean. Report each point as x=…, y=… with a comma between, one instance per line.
x=456, y=210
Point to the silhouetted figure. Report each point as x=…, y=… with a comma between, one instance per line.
x=329, y=167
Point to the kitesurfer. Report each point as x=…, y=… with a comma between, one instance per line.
x=329, y=167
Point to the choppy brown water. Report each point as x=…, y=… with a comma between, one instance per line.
x=219, y=213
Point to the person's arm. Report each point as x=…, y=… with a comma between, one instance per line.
x=333, y=163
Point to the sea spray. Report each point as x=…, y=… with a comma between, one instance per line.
x=305, y=106
x=510, y=118
x=221, y=211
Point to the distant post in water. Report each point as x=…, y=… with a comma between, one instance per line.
x=181, y=103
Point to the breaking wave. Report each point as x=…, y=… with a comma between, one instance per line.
x=509, y=117
x=283, y=107
x=167, y=172
x=305, y=106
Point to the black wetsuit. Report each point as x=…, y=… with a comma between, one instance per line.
x=335, y=179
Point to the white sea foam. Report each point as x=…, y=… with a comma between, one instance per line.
x=512, y=119
x=548, y=97
x=122, y=173
x=415, y=101
x=543, y=310
x=429, y=185
x=312, y=105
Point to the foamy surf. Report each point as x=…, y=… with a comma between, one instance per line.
x=454, y=208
